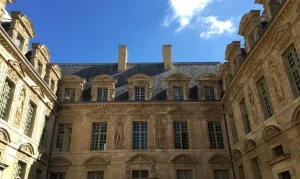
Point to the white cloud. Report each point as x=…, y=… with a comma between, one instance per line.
x=213, y=26
x=184, y=11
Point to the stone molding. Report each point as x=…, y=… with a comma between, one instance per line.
x=210, y=80
x=103, y=81
x=96, y=160
x=177, y=80
x=219, y=158
x=27, y=148
x=270, y=132
x=140, y=80
x=183, y=159
x=71, y=81
x=4, y=136
x=60, y=161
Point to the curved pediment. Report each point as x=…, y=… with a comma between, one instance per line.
x=249, y=144
x=243, y=23
x=96, y=160
x=104, y=77
x=4, y=136
x=140, y=77
x=178, y=77
x=270, y=131
x=207, y=76
x=228, y=51
x=73, y=78
x=183, y=158
x=296, y=115
x=27, y=148
x=60, y=161
x=43, y=158
x=28, y=25
x=236, y=154
x=219, y=158
x=141, y=158
x=57, y=70
x=45, y=52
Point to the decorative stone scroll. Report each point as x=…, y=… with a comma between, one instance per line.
x=96, y=160
x=27, y=148
x=103, y=81
x=160, y=130
x=119, y=136
x=178, y=80
x=4, y=136
x=140, y=80
x=60, y=161
x=141, y=158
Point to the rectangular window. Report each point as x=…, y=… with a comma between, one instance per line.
x=102, y=94
x=221, y=174
x=293, y=68
x=63, y=139
x=69, y=94
x=278, y=151
x=139, y=137
x=39, y=68
x=139, y=94
x=255, y=168
x=21, y=170
x=99, y=136
x=284, y=175
x=38, y=174
x=215, y=135
x=181, y=138
x=265, y=98
x=29, y=123
x=178, y=93
x=60, y=175
x=140, y=174
x=96, y=175
x=19, y=42
x=209, y=93
x=6, y=95
x=245, y=117
x=235, y=138
x=241, y=172
x=184, y=174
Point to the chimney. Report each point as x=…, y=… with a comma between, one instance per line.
x=167, y=56
x=122, y=58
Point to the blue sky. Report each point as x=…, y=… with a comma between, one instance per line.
x=90, y=31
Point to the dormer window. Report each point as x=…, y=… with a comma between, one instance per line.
x=70, y=94
x=178, y=93
x=19, y=41
x=102, y=94
x=208, y=87
x=139, y=94
x=209, y=93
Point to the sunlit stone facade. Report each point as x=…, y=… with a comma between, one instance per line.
x=236, y=120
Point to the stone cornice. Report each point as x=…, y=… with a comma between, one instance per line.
x=252, y=56
x=7, y=43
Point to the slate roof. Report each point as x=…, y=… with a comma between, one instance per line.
x=155, y=70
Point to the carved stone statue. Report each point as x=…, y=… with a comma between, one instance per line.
x=275, y=79
x=119, y=134
x=94, y=94
x=19, y=112
x=169, y=93
x=127, y=172
x=130, y=93
x=152, y=171
x=252, y=103
x=160, y=134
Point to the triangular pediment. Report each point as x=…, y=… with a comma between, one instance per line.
x=140, y=110
x=100, y=111
x=180, y=110
x=17, y=67
x=183, y=159
x=96, y=160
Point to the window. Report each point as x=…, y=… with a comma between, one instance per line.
x=139, y=94
x=245, y=117
x=181, y=138
x=178, y=93
x=63, y=137
x=30, y=119
x=102, y=94
x=21, y=169
x=284, y=175
x=60, y=175
x=6, y=95
x=241, y=172
x=99, y=136
x=69, y=94
x=19, y=42
x=96, y=175
x=209, y=93
x=235, y=138
x=278, y=151
x=140, y=174
x=265, y=98
x=184, y=174
x=38, y=174
x=256, y=169
x=139, y=140
x=293, y=63
x=221, y=174
x=39, y=68
x=215, y=135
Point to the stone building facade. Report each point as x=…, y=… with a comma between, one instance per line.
x=237, y=120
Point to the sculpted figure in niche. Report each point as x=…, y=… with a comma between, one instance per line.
x=21, y=100
x=252, y=103
x=160, y=133
x=169, y=93
x=275, y=79
x=119, y=134
x=152, y=171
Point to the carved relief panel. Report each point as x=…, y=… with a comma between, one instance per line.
x=105, y=82
x=139, y=81
x=178, y=81
x=71, y=88
x=208, y=80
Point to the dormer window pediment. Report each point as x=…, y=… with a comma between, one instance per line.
x=140, y=87
x=208, y=87
x=71, y=88
x=103, y=88
x=177, y=87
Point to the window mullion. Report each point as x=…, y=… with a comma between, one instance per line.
x=216, y=136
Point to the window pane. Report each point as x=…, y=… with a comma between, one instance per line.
x=278, y=151
x=99, y=136
x=265, y=98
x=139, y=136
x=184, y=174
x=69, y=94
x=221, y=174
x=215, y=135
x=63, y=139
x=58, y=175
x=177, y=93
x=29, y=119
x=181, y=140
x=209, y=93
x=5, y=96
x=96, y=175
x=256, y=169
x=245, y=117
x=139, y=174
x=139, y=94
x=102, y=94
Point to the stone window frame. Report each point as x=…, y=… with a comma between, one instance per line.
x=103, y=81
x=12, y=96
x=141, y=132
x=106, y=133
x=188, y=133
x=54, y=148
x=40, y=57
x=140, y=81
x=267, y=95
x=129, y=131
x=224, y=138
x=208, y=80
x=220, y=161
x=233, y=128
x=100, y=171
x=53, y=74
x=245, y=120
x=177, y=80
x=71, y=81
x=34, y=114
